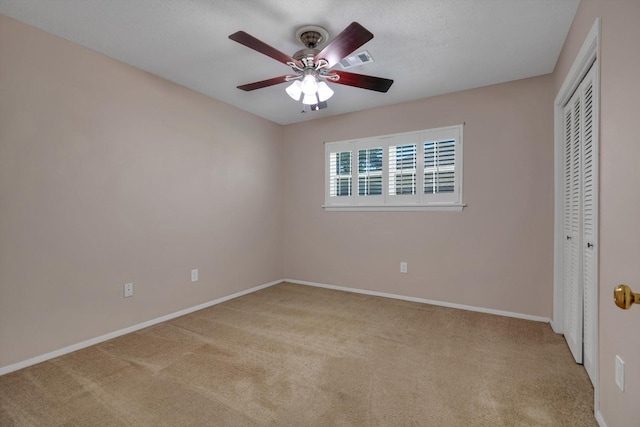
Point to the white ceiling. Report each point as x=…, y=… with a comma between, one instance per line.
x=429, y=47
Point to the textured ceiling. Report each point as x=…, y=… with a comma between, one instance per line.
x=429, y=47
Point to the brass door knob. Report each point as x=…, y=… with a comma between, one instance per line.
x=624, y=298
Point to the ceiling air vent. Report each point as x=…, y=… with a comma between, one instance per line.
x=356, y=60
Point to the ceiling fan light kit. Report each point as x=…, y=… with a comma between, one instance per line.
x=312, y=67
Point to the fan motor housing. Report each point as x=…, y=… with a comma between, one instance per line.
x=306, y=56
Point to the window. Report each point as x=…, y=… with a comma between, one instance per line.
x=415, y=170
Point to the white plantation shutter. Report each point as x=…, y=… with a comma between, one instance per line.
x=442, y=174
x=341, y=179
x=339, y=173
x=413, y=169
x=439, y=166
x=402, y=170
x=370, y=172
x=370, y=166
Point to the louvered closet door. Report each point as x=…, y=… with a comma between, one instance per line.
x=589, y=226
x=573, y=306
x=580, y=223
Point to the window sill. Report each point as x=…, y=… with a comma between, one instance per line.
x=387, y=208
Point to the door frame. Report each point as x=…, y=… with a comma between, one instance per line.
x=588, y=56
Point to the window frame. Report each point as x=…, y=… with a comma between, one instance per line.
x=386, y=201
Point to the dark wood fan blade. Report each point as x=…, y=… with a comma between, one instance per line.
x=351, y=38
x=378, y=84
x=253, y=43
x=263, y=83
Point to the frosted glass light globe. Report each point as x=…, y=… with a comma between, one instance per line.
x=295, y=90
x=309, y=84
x=324, y=92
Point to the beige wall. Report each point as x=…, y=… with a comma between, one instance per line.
x=109, y=175
x=619, y=200
x=496, y=254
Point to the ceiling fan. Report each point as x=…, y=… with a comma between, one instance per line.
x=312, y=67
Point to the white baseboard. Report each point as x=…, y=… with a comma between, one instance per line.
x=111, y=335
x=600, y=420
x=557, y=327
x=424, y=301
x=115, y=334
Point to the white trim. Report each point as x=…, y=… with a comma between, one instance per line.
x=386, y=208
x=423, y=301
x=588, y=56
x=599, y=419
x=115, y=334
x=585, y=58
x=557, y=323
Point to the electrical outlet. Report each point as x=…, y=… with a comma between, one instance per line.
x=128, y=290
x=403, y=267
x=194, y=275
x=620, y=373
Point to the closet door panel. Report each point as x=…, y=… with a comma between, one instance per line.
x=589, y=226
x=573, y=306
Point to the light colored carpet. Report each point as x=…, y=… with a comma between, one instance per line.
x=293, y=355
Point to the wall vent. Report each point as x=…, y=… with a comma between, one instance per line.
x=356, y=60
